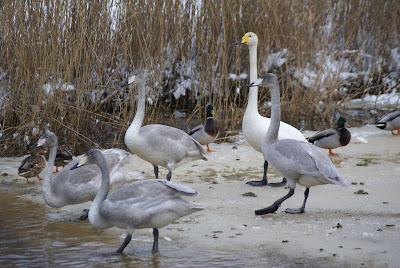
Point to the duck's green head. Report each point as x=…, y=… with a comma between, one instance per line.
x=341, y=123
x=210, y=111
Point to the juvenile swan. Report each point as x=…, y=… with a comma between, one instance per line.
x=298, y=161
x=142, y=204
x=78, y=186
x=159, y=145
x=254, y=125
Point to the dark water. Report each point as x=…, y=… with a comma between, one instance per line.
x=29, y=237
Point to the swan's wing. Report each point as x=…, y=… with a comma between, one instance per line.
x=163, y=138
x=323, y=134
x=325, y=165
x=305, y=159
x=183, y=189
x=148, y=190
x=83, y=183
x=195, y=129
x=123, y=174
x=148, y=203
x=141, y=192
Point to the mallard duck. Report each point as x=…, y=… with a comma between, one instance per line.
x=142, y=204
x=297, y=161
x=333, y=137
x=208, y=132
x=254, y=126
x=63, y=157
x=390, y=121
x=78, y=186
x=159, y=145
x=32, y=165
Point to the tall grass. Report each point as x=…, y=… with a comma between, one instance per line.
x=62, y=62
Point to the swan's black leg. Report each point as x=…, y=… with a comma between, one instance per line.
x=274, y=207
x=169, y=175
x=264, y=181
x=156, y=171
x=302, y=209
x=126, y=242
x=155, y=241
x=81, y=218
x=84, y=216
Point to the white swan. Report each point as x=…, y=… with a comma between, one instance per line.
x=142, y=204
x=254, y=125
x=160, y=145
x=74, y=187
x=298, y=161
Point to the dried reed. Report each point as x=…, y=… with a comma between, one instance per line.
x=62, y=62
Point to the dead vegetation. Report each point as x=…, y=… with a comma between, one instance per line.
x=62, y=62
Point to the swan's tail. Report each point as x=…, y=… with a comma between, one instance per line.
x=202, y=151
x=198, y=206
x=341, y=181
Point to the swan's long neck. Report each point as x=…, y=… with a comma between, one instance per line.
x=48, y=194
x=133, y=129
x=105, y=182
x=252, y=105
x=272, y=133
x=94, y=211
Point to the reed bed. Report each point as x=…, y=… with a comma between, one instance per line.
x=62, y=63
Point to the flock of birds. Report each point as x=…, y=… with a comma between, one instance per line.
x=154, y=203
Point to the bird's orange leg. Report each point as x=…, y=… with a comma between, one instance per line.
x=398, y=131
x=39, y=178
x=331, y=153
x=29, y=182
x=208, y=149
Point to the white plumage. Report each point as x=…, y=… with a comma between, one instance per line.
x=254, y=126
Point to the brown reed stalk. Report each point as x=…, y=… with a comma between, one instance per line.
x=61, y=63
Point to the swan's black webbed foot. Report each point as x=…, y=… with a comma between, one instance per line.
x=278, y=184
x=268, y=210
x=266, y=183
x=258, y=183
x=81, y=218
x=295, y=210
x=84, y=216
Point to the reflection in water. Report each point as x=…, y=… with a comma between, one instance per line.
x=28, y=238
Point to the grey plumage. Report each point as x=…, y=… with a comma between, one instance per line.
x=142, y=204
x=297, y=161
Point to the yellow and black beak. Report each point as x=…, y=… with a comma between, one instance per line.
x=81, y=162
x=243, y=41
